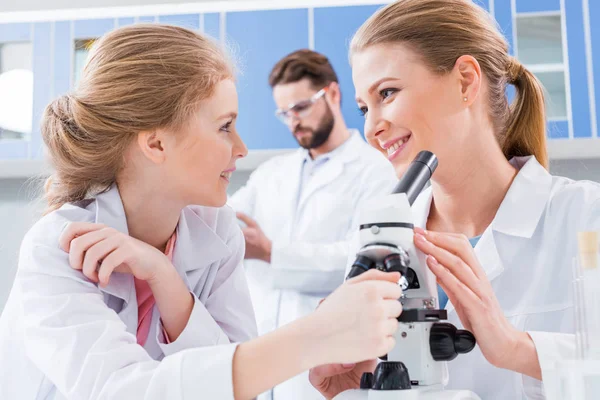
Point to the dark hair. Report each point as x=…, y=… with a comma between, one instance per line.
x=303, y=64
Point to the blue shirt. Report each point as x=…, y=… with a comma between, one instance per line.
x=442, y=297
x=311, y=166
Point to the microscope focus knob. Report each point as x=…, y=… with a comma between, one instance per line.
x=446, y=342
x=391, y=375
x=366, y=380
x=360, y=265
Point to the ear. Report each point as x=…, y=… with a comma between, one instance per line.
x=468, y=71
x=152, y=145
x=334, y=95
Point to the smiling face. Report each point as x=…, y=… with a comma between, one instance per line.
x=407, y=108
x=200, y=158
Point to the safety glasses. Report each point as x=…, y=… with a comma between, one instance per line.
x=300, y=109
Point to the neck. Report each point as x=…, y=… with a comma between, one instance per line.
x=467, y=199
x=339, y=134
x=151, y=217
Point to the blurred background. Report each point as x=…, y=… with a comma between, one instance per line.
x=44, y=44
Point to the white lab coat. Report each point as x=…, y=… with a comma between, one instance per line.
x=310, y=240
x=526, y=253
x=63, y=337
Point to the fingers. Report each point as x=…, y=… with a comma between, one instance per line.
x=250, y=234
x=392, y=309
x=390, y=326
x=81, y=244
x=110, y=263
x=247, y=220
x=75, y=229
x=95, y=254
x=374, y=274
x=454, y=263
x=321, y=372
x=456, y=244
x=387, y=345
x=457, y=307
x=457, y=291
x=382, y=290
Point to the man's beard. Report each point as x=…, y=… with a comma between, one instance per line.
x=318, y=136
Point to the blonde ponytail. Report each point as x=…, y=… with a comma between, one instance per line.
x=526, y=125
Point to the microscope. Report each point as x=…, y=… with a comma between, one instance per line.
x=416, y=368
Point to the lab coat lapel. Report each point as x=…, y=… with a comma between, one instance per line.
x=110, y=212
x=197, y=245
x=287, y=197
x=332, y=169
x=518, y=215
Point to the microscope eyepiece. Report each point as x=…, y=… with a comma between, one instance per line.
x=417, y=175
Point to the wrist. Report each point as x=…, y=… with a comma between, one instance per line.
x=163, y=272
x=523, y=355
x=268, y=251
x=315, y=333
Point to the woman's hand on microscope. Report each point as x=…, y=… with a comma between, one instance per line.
x=452, y=260
x=359, y=321
x=333, y=379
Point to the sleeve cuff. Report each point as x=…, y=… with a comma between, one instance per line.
x=200, y=331
x=551, y=347
x=214, y=378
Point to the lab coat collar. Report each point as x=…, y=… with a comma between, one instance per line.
x=525, y=200
x=349, y=151
x=197, y=244
x=346, y=152
x=110, y=212
x=518, y=215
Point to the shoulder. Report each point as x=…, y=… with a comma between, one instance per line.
x=47, y=230
x=372, y=166
x=368, y=157
x=40, y=245
x=275, y=163
x=579, y=201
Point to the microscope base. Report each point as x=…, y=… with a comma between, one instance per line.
x=425, y=393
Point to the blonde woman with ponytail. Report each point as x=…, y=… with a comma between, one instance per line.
x=432, y=75
x=131, y=286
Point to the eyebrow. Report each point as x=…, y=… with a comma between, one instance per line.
x=377, y=83
x=231, y=114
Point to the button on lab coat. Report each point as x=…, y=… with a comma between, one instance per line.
x=63, y=337
x=526, y=253
x=310, y=233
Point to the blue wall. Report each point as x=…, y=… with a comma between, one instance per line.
x=260, y=38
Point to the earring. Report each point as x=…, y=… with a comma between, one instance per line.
x=465, y=99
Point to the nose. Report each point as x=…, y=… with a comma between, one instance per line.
x=293, y=122
x=239, y=148
x=374, y=128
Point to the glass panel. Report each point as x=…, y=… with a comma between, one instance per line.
x=82, y=49
x=556, y=95
x=539, y=40
x=16, y=90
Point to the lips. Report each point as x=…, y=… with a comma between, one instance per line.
x=227, y=174
x=394, y=147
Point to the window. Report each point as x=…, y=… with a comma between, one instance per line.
x=16, y=90
x=82, y=49
x=540, y=49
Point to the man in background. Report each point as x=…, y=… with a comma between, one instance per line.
x=300, y=209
